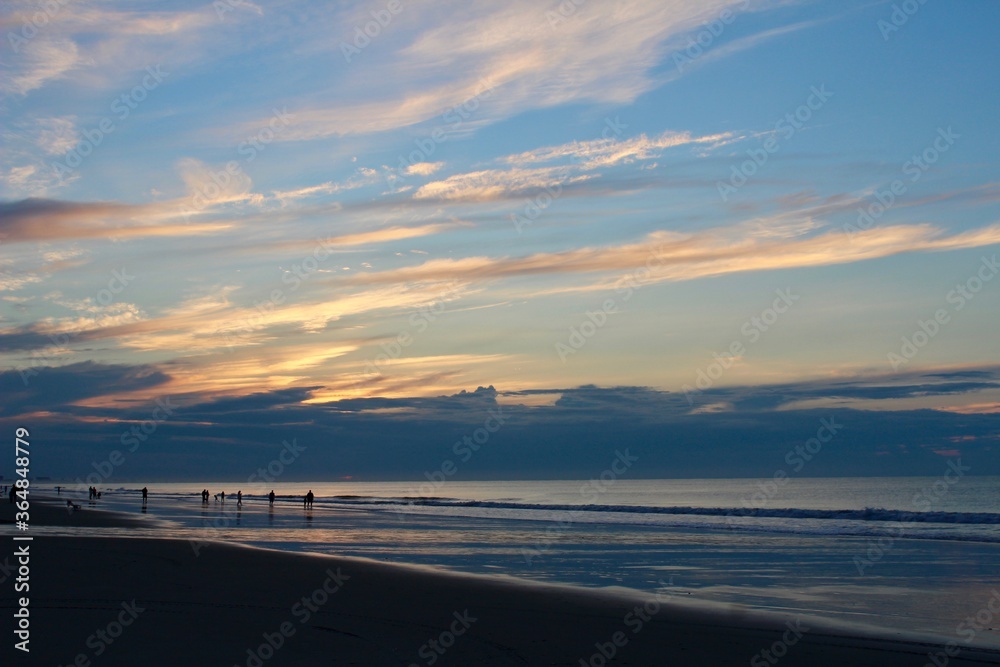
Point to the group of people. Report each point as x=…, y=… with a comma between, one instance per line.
x=307, y=500
x=239, y=497
x=222, y=497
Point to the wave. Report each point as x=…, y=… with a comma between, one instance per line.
x=866, y=514
x=730, y=514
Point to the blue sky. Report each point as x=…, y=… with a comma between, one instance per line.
x=239, y=198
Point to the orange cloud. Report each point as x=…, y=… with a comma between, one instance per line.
x=49, y=220
x=671, y=256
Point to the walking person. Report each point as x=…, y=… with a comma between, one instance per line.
x=270, y=498
x=145, y=495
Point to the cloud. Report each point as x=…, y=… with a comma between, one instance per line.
x=56, y=389
x=388, y=234
x=530, y=57
x=975, y=409
x=320, y=249
x=669, y=256
x=423, y=168
x=211, y=323
x=23, y=179
x=401, y=437
x=360, y=178
x=84, y=50
x=56, y=136
x=30, y=145
x=100, y=45
x=683, y=61
x=612, y=151
x=42, y=59
x=90, y=315
x=11, y=282
x=50, y=220
x=210, y=186
x=496, y=184
x=579, y=159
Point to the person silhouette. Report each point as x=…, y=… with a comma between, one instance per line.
x=309, y=498
x=270, y=498
x=222, y=496
x=145, y=495
x=239, y=498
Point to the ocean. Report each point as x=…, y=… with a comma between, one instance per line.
x=911, y=553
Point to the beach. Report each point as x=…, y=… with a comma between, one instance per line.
x=557, y=333
x=128, y=601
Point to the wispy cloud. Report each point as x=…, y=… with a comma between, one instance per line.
x=98, y=44
x=42, y=60
x=361, y=177
x=496, y=183
x=679, y=257
x=580, y=161
x=605, y=53
x=613, y=151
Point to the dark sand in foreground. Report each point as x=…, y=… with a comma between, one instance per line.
x=216, y=607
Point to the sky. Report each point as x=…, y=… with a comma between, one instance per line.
x=696, y=228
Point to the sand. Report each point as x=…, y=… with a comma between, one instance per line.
x=143, y=601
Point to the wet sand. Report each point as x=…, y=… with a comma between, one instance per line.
x=130, y=601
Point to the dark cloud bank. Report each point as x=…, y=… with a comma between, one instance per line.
x=729, y=432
